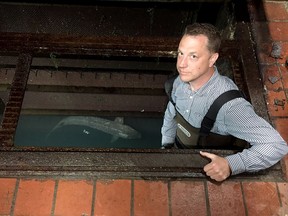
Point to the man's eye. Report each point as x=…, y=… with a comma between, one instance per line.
x=180, y=54
x=193, y=56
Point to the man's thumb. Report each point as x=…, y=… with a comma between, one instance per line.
x=208, y=155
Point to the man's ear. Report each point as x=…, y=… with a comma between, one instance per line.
x=213, y=59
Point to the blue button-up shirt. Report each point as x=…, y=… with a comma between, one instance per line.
x=237, y=118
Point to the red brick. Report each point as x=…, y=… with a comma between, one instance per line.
x=188, y=198
x=284, y=163
x=34, y=197
x=276, y=110
x=113, y=198
x=283, y=191
x=276, y=10
x=268, y=72
x=278, y=31
x=284, y=52
x=226, y=198
x=7, y=187
x=151, y=198
x=284, y=74
x=261, y=198
x=264, y=53
x=281, y=127
x=74, y=198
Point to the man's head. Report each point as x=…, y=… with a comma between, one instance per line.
x=210, y=31
x=197, y=53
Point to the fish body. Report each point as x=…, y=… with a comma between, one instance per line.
x=116, y=128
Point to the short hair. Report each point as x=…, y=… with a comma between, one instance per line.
x=207, y=29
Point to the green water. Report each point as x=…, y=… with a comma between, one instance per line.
x=37, y=131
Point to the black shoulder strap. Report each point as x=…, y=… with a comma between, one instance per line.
x=210, y=117
x=169, y=87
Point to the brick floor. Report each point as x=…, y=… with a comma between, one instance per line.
x=33, y=197
x=113, y=197
x=73, y=198
x=151, y=198
x=7, y=189
x=141, y=197
x=226, y=199
x=187, y=198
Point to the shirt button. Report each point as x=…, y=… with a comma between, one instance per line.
x=190, y=97
x=187, y=111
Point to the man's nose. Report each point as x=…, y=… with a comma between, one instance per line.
x=182, y=61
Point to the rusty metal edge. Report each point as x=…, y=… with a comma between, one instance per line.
x=40, y=44
x=251, y=70
x=117, y=165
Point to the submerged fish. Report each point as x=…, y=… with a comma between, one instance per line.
x=116, y=128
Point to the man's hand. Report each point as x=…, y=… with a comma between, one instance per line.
x=218, y=169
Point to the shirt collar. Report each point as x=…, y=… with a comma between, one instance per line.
x=210, y=85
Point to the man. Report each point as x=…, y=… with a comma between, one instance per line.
x=195, y=89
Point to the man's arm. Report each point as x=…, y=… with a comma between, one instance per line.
x=221, y=168
x=168, y=129
x=267, y=146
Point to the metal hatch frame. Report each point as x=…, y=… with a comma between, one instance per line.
x=112, y=163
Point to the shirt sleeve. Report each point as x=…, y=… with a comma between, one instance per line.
x=267, y=146
x=168, y=129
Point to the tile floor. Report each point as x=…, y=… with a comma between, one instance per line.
x=123, y=197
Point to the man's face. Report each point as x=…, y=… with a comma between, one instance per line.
x=195, y=62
